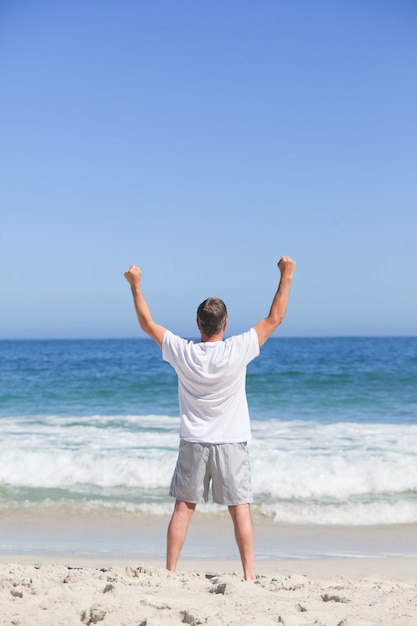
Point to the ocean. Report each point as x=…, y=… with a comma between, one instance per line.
x=93, y=425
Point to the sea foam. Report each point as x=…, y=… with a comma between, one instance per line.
x=303, y=472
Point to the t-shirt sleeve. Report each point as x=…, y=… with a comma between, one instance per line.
x=170, y=347
x=248, y=345
x=254, y=349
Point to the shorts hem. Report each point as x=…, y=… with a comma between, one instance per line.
x=247, y=501
x=188, y=500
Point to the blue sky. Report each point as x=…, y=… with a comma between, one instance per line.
x=201, y=141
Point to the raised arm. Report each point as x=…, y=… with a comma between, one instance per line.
x=266, y=327
x=133, y=276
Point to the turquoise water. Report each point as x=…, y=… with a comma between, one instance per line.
x=326, y=380
x=94, y=423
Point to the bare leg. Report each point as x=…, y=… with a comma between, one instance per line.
x=177, y=531
x=245, y=537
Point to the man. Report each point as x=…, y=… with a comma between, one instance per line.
x=215, y=424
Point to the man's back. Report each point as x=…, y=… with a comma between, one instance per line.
x=211, y=386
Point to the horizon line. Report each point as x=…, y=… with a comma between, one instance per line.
x=146, y=338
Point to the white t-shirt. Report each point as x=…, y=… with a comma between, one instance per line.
x=211, y=386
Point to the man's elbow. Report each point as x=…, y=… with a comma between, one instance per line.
x=274, y=322
x=145, y=325
x=280, y=320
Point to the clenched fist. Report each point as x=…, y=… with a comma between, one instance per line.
x=133, y=275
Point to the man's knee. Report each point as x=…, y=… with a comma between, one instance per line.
x=240, y=511
x=184, y=508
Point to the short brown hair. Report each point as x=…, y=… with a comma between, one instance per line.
x=211, y=316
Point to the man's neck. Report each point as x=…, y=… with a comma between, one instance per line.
x=212, y=338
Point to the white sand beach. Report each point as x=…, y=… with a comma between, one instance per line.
x=343, y=592
x=54, y=589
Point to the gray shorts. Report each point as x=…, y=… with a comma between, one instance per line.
x=225, y=465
